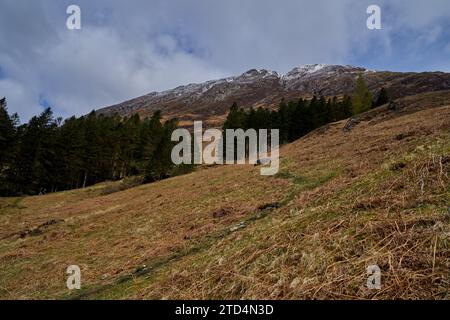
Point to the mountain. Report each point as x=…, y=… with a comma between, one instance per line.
x=211, y=100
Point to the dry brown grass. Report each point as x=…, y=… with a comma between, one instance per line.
x=377, y=194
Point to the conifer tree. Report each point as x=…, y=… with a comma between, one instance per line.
x=32, y=168
x=346, y=107
x=322, y=112
x=283, y=121
x=362, y=98
x=160, y=164
x=7, y=132
x=334, y=110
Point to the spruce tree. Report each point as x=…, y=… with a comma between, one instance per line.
x=335, y=110
x=236, y=118
x=346, y=107
x=7, y=132
x=322, y=112
x=33, y=167
x=160, y=165
x=283, y=121
x=8, y=142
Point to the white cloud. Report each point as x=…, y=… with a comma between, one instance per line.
x=126, y=49
x=84, y=75
x=20, y=99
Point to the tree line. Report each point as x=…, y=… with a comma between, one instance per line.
x=48, y=154
x=295, y=119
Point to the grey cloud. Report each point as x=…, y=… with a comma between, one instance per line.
x=129, y=48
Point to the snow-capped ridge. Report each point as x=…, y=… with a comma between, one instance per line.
x=308, y=70
x=250, y=87
x=253, y=75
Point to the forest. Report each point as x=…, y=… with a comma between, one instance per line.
x=48, y=154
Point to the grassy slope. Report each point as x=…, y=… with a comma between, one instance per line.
x=341, y=201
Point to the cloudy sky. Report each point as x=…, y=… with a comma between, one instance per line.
x=128, y=48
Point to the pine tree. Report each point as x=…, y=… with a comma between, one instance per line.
x=7, y=132
x=236, y=118
x=311, y=116
x=33, y=168
x=362, y=98
x=160, y=165
x=128, y=141
x=297, y=123
x=251, y=119
x=283, y=121
x=346, y=107
x=70, y=143
x=151, y=134
x=8, y=142
x=335, y=110
x=322, y=112
x=291, y=121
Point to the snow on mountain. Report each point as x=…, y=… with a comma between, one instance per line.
x=261, y=87
x=319, y=69
x=254, y=75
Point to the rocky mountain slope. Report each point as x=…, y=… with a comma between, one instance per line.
x=211, y=100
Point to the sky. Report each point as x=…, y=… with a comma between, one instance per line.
x=128, y=48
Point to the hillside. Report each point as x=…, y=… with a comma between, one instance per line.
x=210, y=101
x=350, y=194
